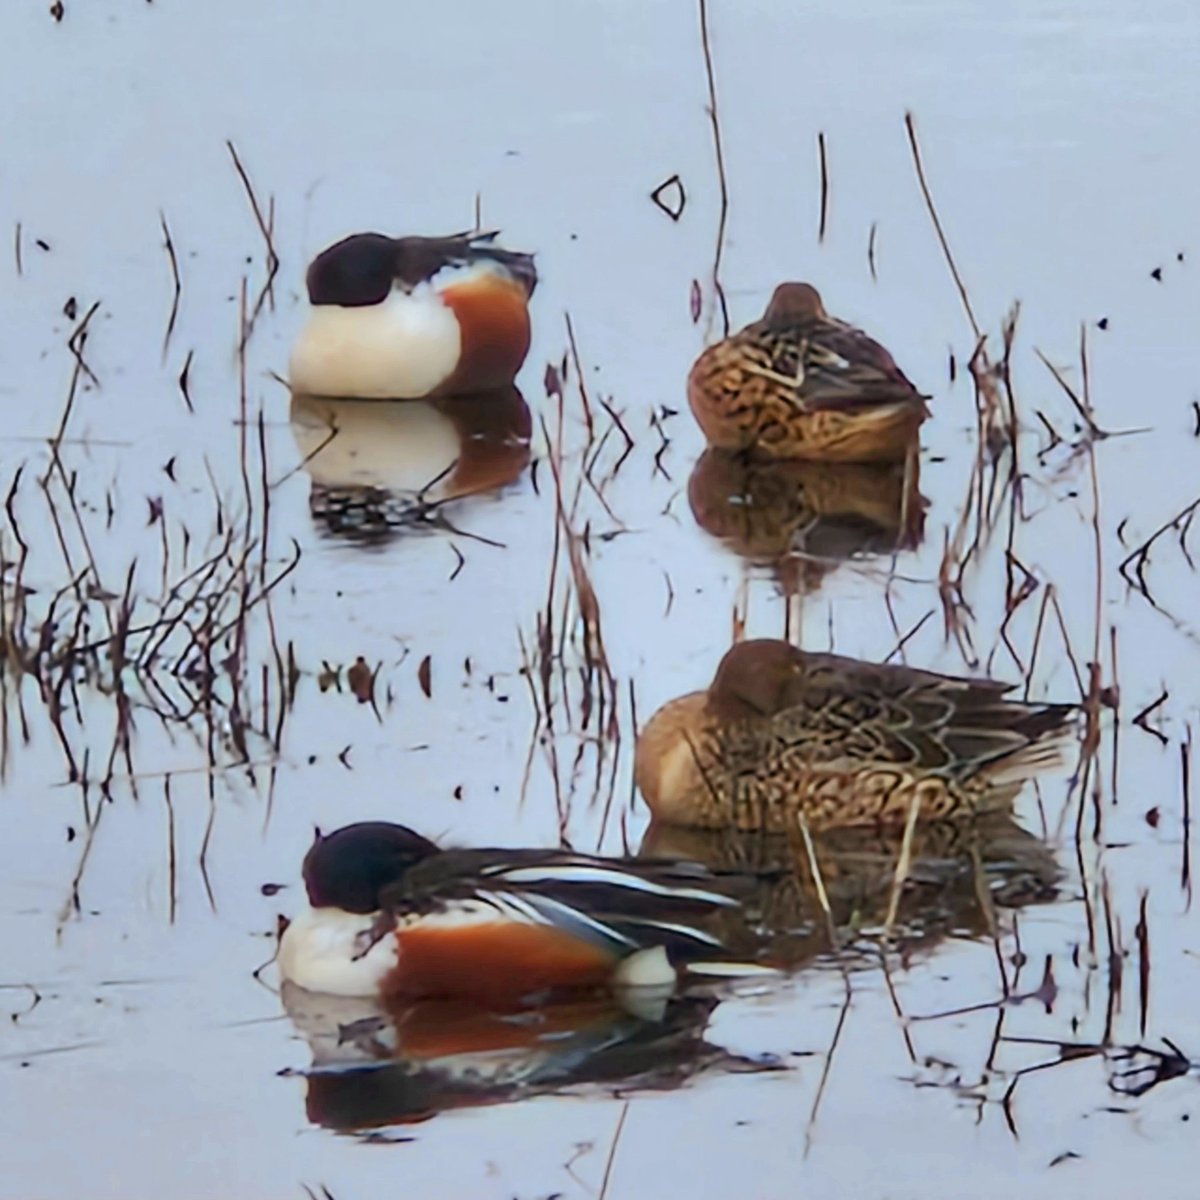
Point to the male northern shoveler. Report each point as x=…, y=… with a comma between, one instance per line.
x=411, y=317
x=801, y=384
x=780, y=732
x=391, y=914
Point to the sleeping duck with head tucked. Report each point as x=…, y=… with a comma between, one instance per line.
x=392, y=915
x=413, y=317
x=782, y=736
x=801, y=384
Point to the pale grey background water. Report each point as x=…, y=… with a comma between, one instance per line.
x=1058, y=142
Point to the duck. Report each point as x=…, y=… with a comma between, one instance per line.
x=392, y=915
x=801, y=384
x=412, y=317
x=783, y=737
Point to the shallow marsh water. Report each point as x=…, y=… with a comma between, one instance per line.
x=143, y=1057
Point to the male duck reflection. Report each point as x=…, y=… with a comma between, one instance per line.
x=391, y=914
x=780, y=732
x=377, y=469
x=801, y=384
x=374, y=1067
x=411, y=317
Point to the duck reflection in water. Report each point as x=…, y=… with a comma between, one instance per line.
x=374, y=1066
x=807, y=516
x=958, y=874
x=381, y=467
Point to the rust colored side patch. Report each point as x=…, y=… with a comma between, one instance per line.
x=494, y=428
x=493, y=315
x=433, y=1029
x=494, y=962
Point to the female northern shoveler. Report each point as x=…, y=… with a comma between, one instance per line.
x=391, y=914
x=801, y=384
x=406, y=318
x=841, y=742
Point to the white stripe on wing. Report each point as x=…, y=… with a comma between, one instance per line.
x=586, y=872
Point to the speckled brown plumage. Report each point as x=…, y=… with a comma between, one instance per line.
x=802, y=384
x=781, y=732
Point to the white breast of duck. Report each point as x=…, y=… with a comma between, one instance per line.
x=322, y=951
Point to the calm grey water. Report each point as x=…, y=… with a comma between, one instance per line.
x=1058, y=142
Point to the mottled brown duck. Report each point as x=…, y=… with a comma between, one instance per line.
x=802, y=384
x=782, y=734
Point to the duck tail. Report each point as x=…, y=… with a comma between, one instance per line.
x=882, y=430
x=1051, y=732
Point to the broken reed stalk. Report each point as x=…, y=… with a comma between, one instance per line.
x=722, y=181
x=612, y=1150
x=589, y=463
x=1185, y=785
x=903, y=864
x=266, y=229
x=814, y=866
x=826, y=1070
x=176, y=282
x=1138, y=559
x=1081, y=406
x=823, y=160
x=931, y=208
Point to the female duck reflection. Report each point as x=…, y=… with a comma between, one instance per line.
x=378, y=467
x=848, y=881
x=791, y=514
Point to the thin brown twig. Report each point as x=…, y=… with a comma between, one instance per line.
x=176, y=283
x=910, y=125
x=612, y=1150
x=266, y=228
x=722, y=181
x=824, y=165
